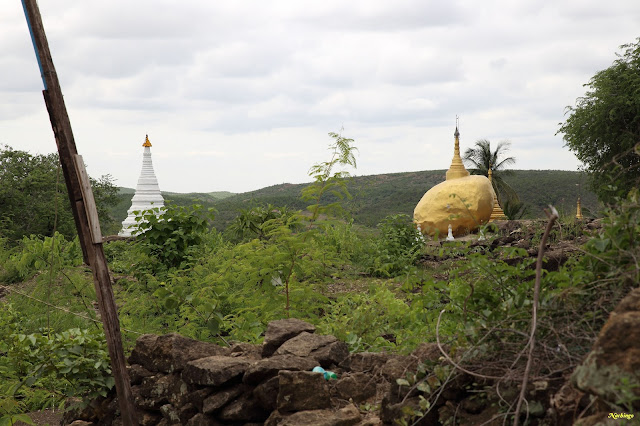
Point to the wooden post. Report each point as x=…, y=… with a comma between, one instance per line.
x=83, y=206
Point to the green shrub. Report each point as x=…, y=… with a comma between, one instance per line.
x=77, y=357
x=34, y=254
x=613, y=253
x=398, y=246
x=171, y=234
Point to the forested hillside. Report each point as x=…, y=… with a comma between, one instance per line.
x=377, y=196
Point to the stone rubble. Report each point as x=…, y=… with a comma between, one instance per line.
x=177, y=380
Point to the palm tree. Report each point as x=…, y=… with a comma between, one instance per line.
x=481, y=158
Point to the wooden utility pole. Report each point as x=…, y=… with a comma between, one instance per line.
x=84, y=209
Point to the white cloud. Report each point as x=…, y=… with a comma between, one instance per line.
x=240, y=95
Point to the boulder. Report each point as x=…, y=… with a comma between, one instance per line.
x=280, y=331
x=269, y=367
x=346, y=416
x=326, y=350
x=247, y=350
x=214, y=370
x=221, y=398
x=170, y=414
x=302, y=390
x=465, y=203
x=355, y=386
x=137, y=373
x=202, y=420
x=148, y=418
x=154, y=391
x=198, y=396
x=398, y=366
x=612, y=368
x=170, y=352
x=243, y=410
x=186, y=412
x=267, y=393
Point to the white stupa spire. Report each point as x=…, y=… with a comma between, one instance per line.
x=147, y=194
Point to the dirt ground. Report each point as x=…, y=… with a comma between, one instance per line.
x=44, y=417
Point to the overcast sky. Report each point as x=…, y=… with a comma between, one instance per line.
x=239, y=95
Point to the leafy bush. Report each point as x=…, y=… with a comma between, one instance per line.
x=34, y=254
x=79, y=357
x=613, y=253
x=372, y=321
x=398, y=246
x=171, y=233
x=40, y=370
x=252, y=223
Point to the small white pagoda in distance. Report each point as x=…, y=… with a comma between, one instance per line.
x=147, y=194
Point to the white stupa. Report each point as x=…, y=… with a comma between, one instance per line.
x=147, y=194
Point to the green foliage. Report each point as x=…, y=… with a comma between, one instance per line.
x=397, y=248
x=428, y=381
x=178, y=275
x=613, y=253
x=374, y=320
x=603, y=128
x=171, y=233
x=514, y=210
x=398, y=193
x=34, y=254
x=40, y=370
x=326, y=181
x=233, y=290
x=33, y=191
x=11, y=419
x=252, y=223
x=481, y=158
x=105, y=194
x=79, y=357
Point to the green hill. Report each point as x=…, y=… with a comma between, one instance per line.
x=119, y=211
x=376, y=196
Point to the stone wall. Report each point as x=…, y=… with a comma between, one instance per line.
x=176, y=380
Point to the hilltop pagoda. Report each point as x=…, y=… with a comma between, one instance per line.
x=458, y=205
x=147, y=194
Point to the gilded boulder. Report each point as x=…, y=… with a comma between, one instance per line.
x=464, y=203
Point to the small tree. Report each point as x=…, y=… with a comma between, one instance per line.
x=603, y=129
x=328, y=181
x=481, y=158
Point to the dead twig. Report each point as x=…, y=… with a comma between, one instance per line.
x=553, y=216
x=456, y=365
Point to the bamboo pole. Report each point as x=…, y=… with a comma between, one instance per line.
x=84, y=210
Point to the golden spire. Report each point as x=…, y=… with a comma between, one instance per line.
x=146, y=141
x=456, y=170
x=579, y=210
x=497, y=213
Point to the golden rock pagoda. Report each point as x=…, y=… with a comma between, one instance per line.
x=496, y=213
x=463, y=201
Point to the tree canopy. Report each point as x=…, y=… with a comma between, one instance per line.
x=603, y=128
x=481, y=158
x=33, y=194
